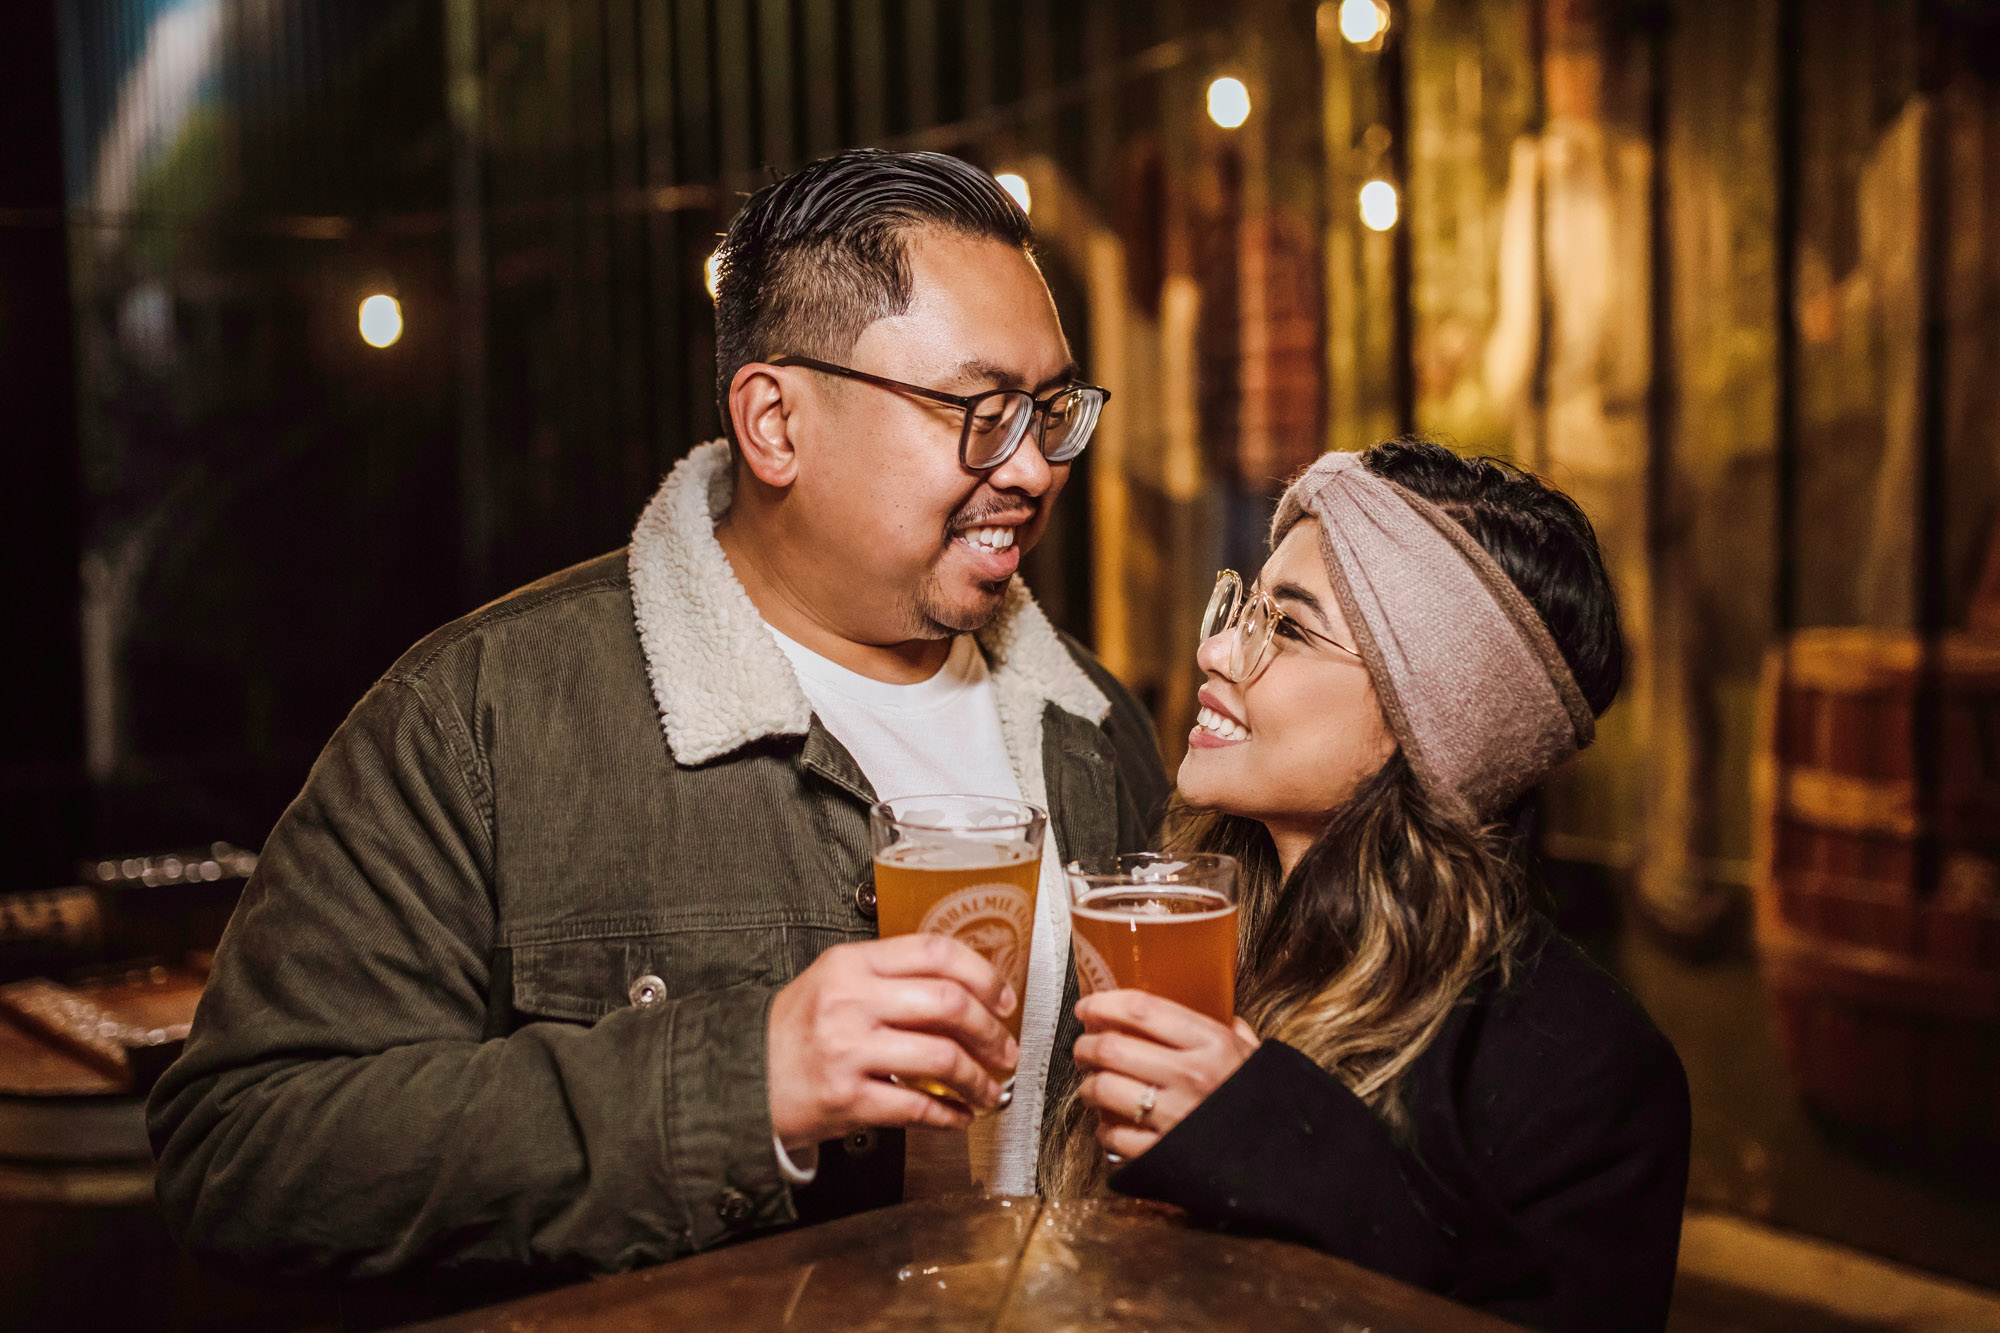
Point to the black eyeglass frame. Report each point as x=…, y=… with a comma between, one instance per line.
x=1037, y=421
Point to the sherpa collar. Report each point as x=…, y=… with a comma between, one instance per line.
x=721, y=681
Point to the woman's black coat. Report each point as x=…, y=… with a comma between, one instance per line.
x=1541, y=1177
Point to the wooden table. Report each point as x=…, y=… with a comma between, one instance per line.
x=996, y=1266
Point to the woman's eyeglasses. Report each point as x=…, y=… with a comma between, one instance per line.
x=1256, y=619
x=998, y=420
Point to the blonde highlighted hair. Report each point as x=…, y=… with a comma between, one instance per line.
x=1358, y=956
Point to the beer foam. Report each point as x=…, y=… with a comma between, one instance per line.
x=1125, y=902
x=970, y=819
x=969, y=853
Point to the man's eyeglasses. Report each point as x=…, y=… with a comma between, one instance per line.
x=1256, y=619
x=998, y=420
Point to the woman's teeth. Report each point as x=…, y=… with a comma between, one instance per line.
x=1215, y=724
x=988, y=539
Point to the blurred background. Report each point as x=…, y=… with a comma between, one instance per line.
x=324, y=321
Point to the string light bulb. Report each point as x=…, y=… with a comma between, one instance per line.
x=381, y=320
x=1228, y=102
x=1363, y=21
x=1017, y=187
x=711, y=274
x=1379, y=205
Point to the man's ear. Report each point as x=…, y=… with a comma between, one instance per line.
x=762, y=417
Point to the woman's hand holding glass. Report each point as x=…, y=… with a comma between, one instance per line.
x=1148, y=1062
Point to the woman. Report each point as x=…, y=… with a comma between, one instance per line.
x=1444, y=1089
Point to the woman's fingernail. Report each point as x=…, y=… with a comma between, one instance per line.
x=1007, y=1001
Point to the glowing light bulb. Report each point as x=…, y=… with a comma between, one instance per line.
x=711, y=274
x=1379, y=207
x=381, y=320
x=1228, y=103
x=1362, y=21
x=1017, y=186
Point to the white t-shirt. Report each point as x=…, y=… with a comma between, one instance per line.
x=943, y=735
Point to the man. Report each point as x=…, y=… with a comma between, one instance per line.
x=564, y=960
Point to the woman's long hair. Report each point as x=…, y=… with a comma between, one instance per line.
x=1358, y=957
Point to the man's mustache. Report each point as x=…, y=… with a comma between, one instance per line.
x=989, y=514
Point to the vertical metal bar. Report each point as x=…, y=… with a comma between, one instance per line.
x=666, y=293
x=920, y=63
x=822, y=80
x=695, y=98
x=1100, y=41
x=626, y=298
x=774, y=48
x=1396, y=111
x=1109, y=316
x=867, y=81
x=592, y=374
x=643, y=354
x=656, y=93
x=469, y=271
x=1785, y=435
x=1343, y=379
x=734, y=64
x=1538, y=380
x=1038, y=72
x=1253, y=464
x=694, y=67
x=977, y=20
x=1785, y=606
x=621, y=92
x=563, y=202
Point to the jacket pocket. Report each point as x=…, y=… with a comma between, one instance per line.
x=584, y=978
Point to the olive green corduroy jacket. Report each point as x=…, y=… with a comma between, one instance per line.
x=422, y=1046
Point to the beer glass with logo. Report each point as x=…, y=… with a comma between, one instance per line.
x=1157, y=923
x=963, y=866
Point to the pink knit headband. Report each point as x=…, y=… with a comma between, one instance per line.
x=1469, y=678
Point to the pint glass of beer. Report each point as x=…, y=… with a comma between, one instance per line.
x=1157, y=923
x=963, y=866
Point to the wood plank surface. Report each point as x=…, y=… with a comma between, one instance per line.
x=1013, y=1265
x=1123, y=1265
x=939, y=1264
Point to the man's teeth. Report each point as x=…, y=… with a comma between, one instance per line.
x=1216, y=724
x=988, y=539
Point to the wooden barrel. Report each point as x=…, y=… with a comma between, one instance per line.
x=1886, y=989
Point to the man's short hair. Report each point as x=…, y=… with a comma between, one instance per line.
x=814, y=259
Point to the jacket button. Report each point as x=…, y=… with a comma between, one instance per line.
x=646, y=991
x=864, y=898
x=733, y=1206
x=860, y=1143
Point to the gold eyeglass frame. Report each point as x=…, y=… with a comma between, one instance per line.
x=1253, y=616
